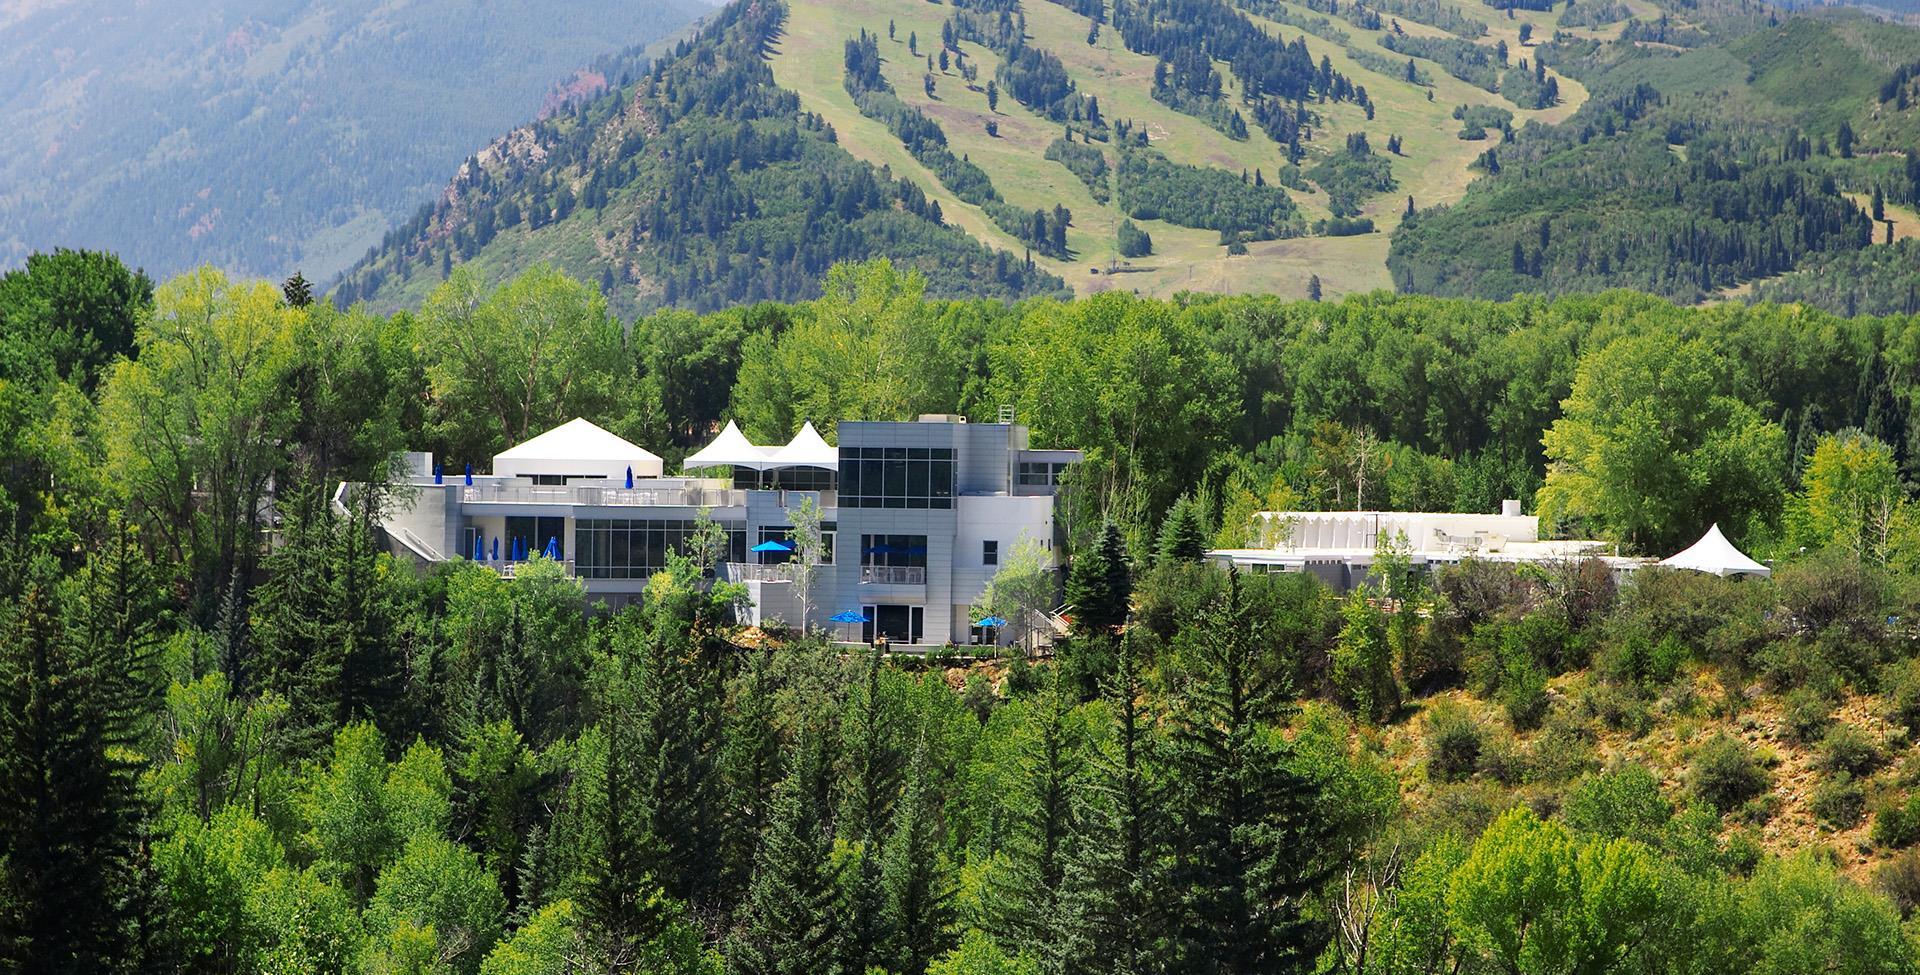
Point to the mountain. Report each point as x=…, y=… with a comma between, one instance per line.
x=1685, y=147
x=270, y=135
x=1150, y=145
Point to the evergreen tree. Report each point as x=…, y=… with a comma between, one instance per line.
x=1114, y=906
x=1182, y=536
x=1313, y=287
x=788, y=924
x=1100, y=584
x=872, y=767
x=1252, y=849
x=916, y=874
x=751, y=765
x=71, y=816
x=296, y=291
x=1024, y=892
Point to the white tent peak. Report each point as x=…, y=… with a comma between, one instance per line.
x=1714, y=554
x=807, y=449
x=730, y=449
x=578, y=448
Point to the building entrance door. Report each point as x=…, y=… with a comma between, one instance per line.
x=899, y=624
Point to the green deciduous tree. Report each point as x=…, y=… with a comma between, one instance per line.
x=1655, y=445
x=504, y=365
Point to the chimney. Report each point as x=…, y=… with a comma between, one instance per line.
x=1510, y=508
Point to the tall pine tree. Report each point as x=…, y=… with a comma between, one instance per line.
x=788, y=922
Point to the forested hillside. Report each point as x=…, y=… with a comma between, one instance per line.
x=238, y=737
x=269, y=137
x=700, y=184
x=1730, y=146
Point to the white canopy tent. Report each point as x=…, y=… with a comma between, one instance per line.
x=1714, y=554
x=576, y=448
x=730, y=449
x=806, y=449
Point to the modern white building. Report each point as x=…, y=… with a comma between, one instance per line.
x=916, y=517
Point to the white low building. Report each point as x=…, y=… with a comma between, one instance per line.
x=1340, y=547
x=916, y=517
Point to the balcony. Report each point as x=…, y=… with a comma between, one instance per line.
x=749, y=572
x=665, y=494
x=894, y=575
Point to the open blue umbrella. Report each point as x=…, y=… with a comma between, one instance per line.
x=993, y=621
x=773, y=546
x=553, y=548
x=849, y=617
x=629, y=478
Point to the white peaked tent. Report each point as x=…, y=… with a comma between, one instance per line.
x=1714, y=554
x=576, y=448
x=729, y=449
x=807, y=449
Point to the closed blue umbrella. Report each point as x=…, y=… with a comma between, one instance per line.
x=469, y=475
x=629, y=478
x=438, y=473
x=496, y=548
x=553, y=548
x=479, y=549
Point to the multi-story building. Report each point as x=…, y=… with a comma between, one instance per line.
x=916, y=517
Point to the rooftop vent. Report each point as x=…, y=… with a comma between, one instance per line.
x=942, y=418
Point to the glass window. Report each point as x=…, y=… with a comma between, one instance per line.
x=990, y=552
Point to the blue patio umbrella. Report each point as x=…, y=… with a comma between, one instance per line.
x=438, y=474
x=993, y=621
x=496, y=548
x=629, y=478
x=469, y=475
x=774, y=545
x=479, y=549
x=553, y=548
x=849, y=617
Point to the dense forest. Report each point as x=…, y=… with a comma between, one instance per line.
x=240, y=738
x=266, y=137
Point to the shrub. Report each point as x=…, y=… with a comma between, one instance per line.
x=1724, y=773
x=1623, y=801
x=1896, y=823
x=1838, y=802
x=1901, y=684
x=1809, y=715
x=1454, y=740
x=1523, y=692
x=1564, y=751
x=1899, y=879
x=1618, y=707
x=1847, y=748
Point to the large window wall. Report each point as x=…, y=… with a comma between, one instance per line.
x=620, y=548
x=896, y=477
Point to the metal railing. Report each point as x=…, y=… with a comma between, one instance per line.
x=894, y=575
x=506, y=569
x=750, y=572
x=675, y=495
